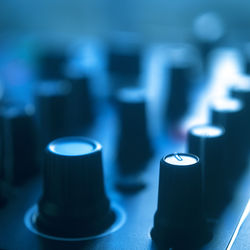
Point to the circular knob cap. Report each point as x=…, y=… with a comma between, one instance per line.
x=179, y=220
x=228, y=113
x=207, y=142
x=73, y=202
x=134, y=148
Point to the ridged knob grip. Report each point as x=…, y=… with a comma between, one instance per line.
x=74, y=202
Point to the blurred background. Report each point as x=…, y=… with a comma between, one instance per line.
x=153, y=20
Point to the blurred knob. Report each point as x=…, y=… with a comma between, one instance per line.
x=52, y=64
x=20, y=148
x=124, y=62
x=208, y=31
x=179, y=222
x=207, y=142
x=80, y=108
x=134, y=147
x=73, y=203
x=246, y=55
x=241, y=90
x=228, y=113
x=181, y=80
x=52, y=105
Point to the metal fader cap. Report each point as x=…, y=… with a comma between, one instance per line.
x=74, y=202
x=179, y=220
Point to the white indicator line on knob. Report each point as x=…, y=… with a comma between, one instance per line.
x=178, y=157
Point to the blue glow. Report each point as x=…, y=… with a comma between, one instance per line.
x=71, y=146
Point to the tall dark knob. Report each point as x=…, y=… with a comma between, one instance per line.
x=241, y=90
x=73, y=203
x=80, y=108
x=19, y=142
x=134, y=147
x=246, y=55
x=52, y=105
x=181, y=80
x=124, y=63
x=228, y=113
x=207, y=142
x=179, y=222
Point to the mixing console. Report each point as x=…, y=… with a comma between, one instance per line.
x=156, y=157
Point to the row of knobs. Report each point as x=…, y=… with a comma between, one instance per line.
x=191, y=186
x=194, y=188
x=66, y=194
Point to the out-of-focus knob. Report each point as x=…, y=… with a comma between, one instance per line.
x=228, y=113
x=52, y=106
x=52, y=64
x=208, y=31
x=181, y=80
x=20, y=145
x=73, y=203
x=246, y=55
x=207, y=142
x=179, y=222
x=134, y=147
x=80, y=108
x=124, y=63
x=241, y=90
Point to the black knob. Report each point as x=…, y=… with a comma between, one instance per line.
x=241, y=90
x=228, y=113
x=207, y=142
x=52, y=63
x=134, y=146
x=73, y=203
x=124, y=62
x=181, y=80
x=20, y=145
x=246, y=56
x=80, y=108
x=179, y=221
x=52, y=106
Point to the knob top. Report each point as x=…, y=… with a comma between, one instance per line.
x=227, y=104
x=72, y=146
x=131, y=94
x=207, y=131
x=181, y=159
